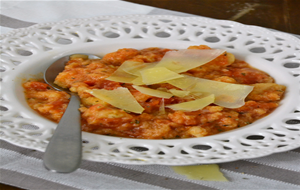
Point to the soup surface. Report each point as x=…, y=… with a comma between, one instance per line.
x=157, y=120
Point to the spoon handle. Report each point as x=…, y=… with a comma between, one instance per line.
x=63, y=153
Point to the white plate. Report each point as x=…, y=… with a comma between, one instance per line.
x=27, y=52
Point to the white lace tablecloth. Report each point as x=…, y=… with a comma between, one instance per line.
x=23, y=167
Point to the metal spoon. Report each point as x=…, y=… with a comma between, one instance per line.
x=64, y=151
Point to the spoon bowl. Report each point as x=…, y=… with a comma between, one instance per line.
x=64, y=151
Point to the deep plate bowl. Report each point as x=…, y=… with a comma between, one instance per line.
x=26, y=53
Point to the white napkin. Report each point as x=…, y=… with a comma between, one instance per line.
x=30, y=12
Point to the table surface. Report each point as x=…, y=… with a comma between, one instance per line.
x=280, y=15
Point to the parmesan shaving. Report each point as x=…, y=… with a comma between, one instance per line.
x=162, y=109
x=186, y=82
x=184, y=60
x=209, y=172
x=121, y=76
x=193, y=105
x=153, y=92
x=157, y=75
x=135, y=68
x=179, y=93
x=226, y=94
x=138, y=81
x=120, y=98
